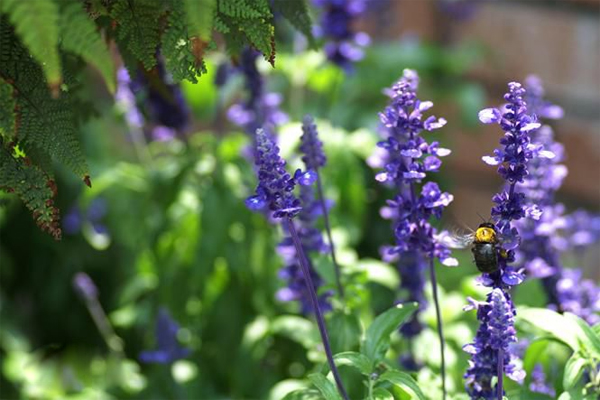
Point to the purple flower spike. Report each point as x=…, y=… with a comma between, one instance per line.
x=312, y=148
x=344, y=47
x=407, y=160
x=260, y=110
x=168, y=348
x=538, y=382
x=275, y=185
x=492, y=355
x=84, y=286
x=549, y=234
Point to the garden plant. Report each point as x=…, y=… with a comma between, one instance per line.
x=251, y=199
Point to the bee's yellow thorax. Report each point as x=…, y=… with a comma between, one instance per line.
x=485, y=235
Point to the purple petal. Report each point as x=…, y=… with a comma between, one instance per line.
x=305, y=178
x=530, y=126
x=490, y=115
x=490, y=160
x=450, y=262
x=512, y=278
x=256, y=203
x=425, y=105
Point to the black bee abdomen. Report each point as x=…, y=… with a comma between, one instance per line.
x=485, y=256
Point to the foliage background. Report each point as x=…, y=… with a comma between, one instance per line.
x=179, y=236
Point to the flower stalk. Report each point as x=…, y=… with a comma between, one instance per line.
x=315, y=303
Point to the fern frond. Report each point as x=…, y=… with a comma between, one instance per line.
x=44, y=125
x=34, y=188
x=199, y=16
x=7, y=110
x=247, y=21
x=138, y=29
x=36, y=24
x=296, y=13
x=177, y=47
x=80, y=37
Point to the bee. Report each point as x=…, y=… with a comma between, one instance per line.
x=484, y=248
x=484, y=245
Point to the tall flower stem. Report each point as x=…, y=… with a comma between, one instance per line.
x=315, y=302
x=440, y=331
x=500, y=374
x=338, y=275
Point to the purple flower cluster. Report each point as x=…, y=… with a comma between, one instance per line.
x=513, y=160
x=260, y=109
x=76, y=218
x=344, y=47
x=495, y=335
x=152, y=103
x=168, y=347
x=275, y=186
x=310, y=235
x=538, y=382
x=543, y=240
x=406, y=160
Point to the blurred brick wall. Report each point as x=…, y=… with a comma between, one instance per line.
x=557, y=40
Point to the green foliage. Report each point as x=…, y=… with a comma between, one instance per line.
x=33, y=187
x=36, y=24
x=251, y=21
x=80, y=36
x=182, y=53
x=138, y=30
x=378, y=335
x=296, y=13
x=325, y=386
x=199, y=16
x=404, y=381
x=46, y=126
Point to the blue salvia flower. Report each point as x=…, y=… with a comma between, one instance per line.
x=168, y=347
x=261, y=109
x=542, y=240
x=408, y=159
x=275, y=186
x=538, y=382
x=275, y=193
x=314, y=159
x=513, y=158
x=343, y=45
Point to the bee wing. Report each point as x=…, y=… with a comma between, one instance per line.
x=457, y=240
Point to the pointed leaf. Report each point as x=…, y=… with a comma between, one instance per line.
x=588, y=337
x=354, y=359
x=553, y=323
x=573, y=371
x=325, y=386
x=378, y=335
x=404, y=381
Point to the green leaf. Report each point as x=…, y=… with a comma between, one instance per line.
x=325, y=386
x=296, y=13
x=553, y=323
x=574, y=370
x=588, y=337
x=36, y=24
x=199, y=17
x=404, y=381
x=382, y=394
x=304, y=394
x=345, y=331
x=378, y=334
x=354, y=359
x=80, y=36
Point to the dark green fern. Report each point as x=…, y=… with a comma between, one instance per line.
x=80, y=36
x=36, y=24
x=32, y=185
x=138, y=29
x=247, y=21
